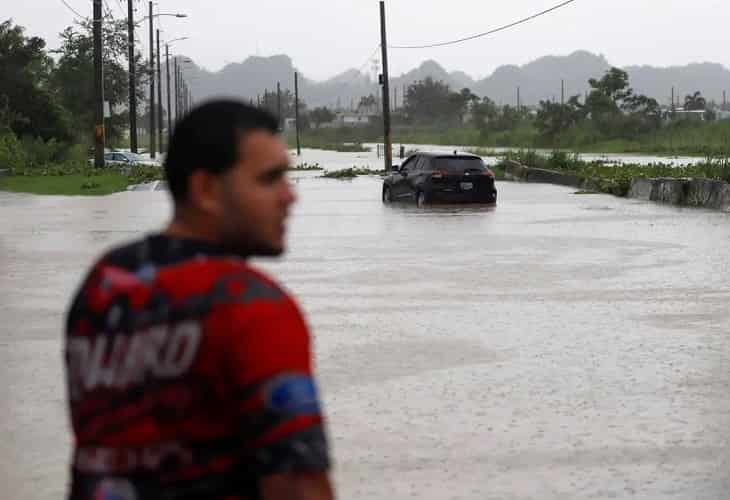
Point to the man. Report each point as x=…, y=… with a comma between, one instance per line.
x=189, y=373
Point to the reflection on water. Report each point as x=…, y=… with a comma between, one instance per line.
x=553, y=346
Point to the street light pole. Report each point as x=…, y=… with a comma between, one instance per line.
x=98, y=89
x=160, y=118
x=177, y=91
x=278, y=103
x=388, y=139
x=296, y=110
x=153, y=138
x=132, y=79
x=169, y=97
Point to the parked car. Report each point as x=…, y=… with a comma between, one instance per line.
x=126, y=159
x=426, y=178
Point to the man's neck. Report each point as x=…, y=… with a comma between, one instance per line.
x=182, y=228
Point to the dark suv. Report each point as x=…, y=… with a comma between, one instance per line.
x=427, y=178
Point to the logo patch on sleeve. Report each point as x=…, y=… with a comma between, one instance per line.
x=115, y=489
x=292, y=395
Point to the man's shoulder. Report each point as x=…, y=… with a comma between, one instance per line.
x=240, y=284
x=175, y=270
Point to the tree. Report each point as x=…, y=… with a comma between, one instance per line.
x=73, y=78
x=367, y=101
x=270, y=102
x=430, y=102
x=614, y=85
x=483, y=113
x=616, y=110
x=695, y=102
x=554, y=118
x=29, y=106
x=318, y=116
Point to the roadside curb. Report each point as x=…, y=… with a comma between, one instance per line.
x=695, y=192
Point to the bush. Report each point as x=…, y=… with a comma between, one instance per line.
x=143, y=174
x=12, y=154
x=306, y=167
x=34, y=156
x=42, y=152
x=351, y=173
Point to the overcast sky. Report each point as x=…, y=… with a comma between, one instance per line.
x=326, y=37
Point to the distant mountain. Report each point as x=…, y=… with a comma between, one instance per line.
x=539, y=79
x=709, y=78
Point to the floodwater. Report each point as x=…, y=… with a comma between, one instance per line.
x=610, y=158
x=558, y=346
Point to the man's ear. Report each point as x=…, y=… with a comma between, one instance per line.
x=205, y=192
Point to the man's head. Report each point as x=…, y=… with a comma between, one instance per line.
x=226, y=169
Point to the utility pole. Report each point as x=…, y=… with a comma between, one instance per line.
x=724, y=100
x=153, y=139
x=562, y=92
x=160, y=117
x=98, y=89
x=132, y=79
x=386, y=92
x=177, y=90
x=518, y=98
x=672, y=100
x=296, y=110
x=278, y=103
x=169, y=97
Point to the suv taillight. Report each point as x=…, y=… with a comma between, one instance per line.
x=489, y=173
x=438, y=175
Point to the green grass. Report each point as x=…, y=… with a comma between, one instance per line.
x=679, y=138
x=616, y=179
x=74, y=184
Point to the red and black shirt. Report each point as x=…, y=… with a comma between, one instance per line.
x=189, y=376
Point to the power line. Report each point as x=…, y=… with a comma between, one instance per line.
x=362, y=67
x=76, y=13
x=490, y=32
x=121, y=9
x=109, y=12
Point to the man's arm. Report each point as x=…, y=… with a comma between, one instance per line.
x=296, y=486
x=270, y=360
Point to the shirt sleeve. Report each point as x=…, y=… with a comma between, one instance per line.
x=268, y=362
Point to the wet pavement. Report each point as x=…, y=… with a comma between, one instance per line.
x=558, y=346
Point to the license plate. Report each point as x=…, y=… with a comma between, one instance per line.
x=466, y=186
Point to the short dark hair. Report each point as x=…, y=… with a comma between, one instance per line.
x=207, y=139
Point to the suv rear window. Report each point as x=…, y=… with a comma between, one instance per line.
x=458, y=164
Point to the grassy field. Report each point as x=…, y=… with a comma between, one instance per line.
x=681, y=138
x=74, y=184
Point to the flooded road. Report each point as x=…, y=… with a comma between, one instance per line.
x=496, y=155
x=559, y=346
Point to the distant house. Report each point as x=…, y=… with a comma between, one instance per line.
x=349, y=119
x=289, y=123
x=696, y=115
